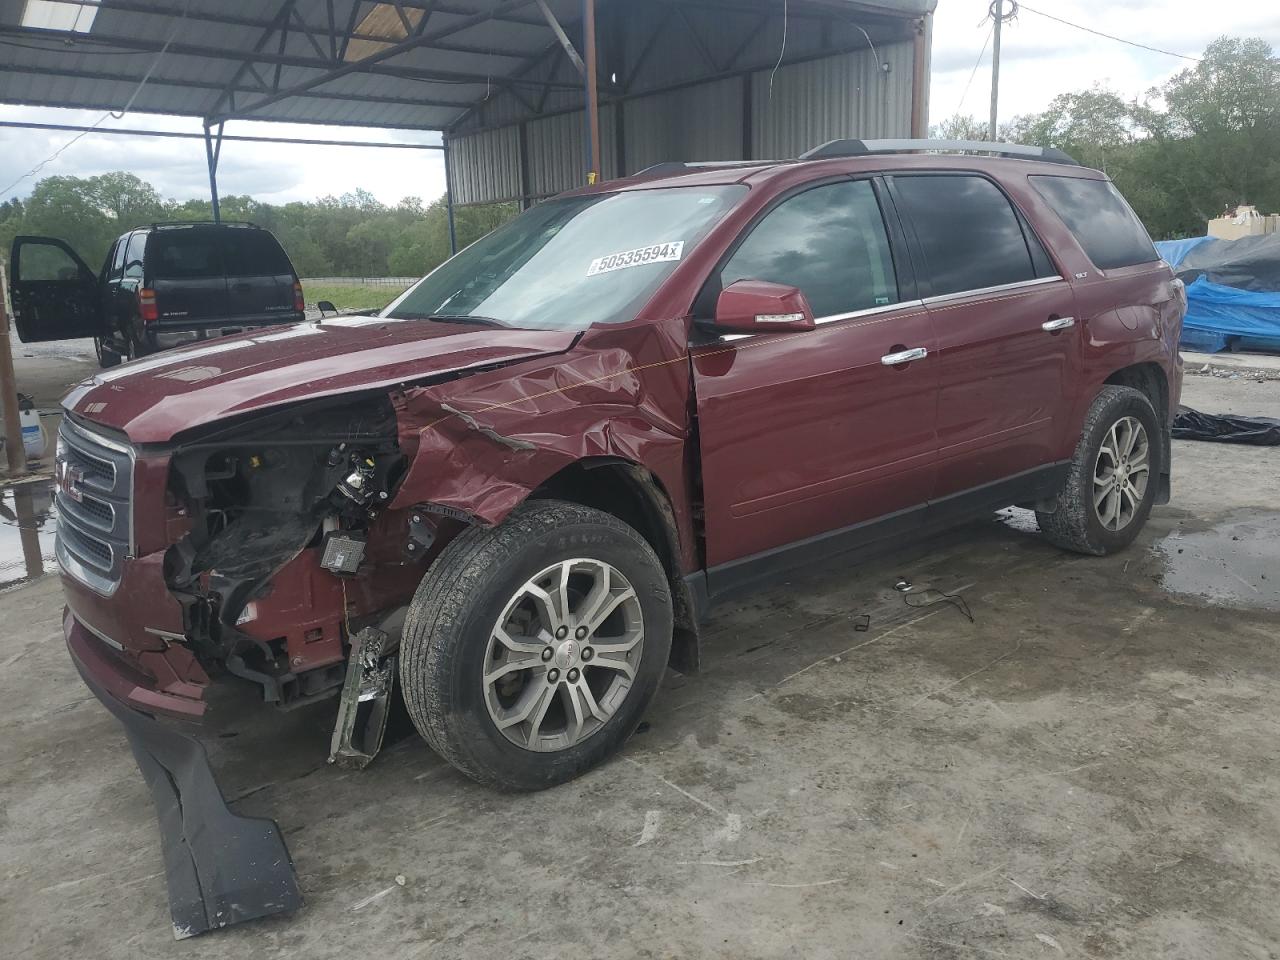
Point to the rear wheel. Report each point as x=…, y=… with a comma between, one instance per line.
x=532, y=649
x=1114, y=476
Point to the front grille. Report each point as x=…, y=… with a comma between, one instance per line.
x=94, y=495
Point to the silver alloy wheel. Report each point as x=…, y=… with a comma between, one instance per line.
x=563, y=655
x=1121, y=473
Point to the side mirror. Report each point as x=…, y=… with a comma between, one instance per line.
x=327, y=308
x=758, y=306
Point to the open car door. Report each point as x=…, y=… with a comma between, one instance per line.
x=55, y=295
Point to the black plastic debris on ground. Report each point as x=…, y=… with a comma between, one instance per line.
x=1225, y=428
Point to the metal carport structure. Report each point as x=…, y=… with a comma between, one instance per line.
x=532, y=97
x=505, y=81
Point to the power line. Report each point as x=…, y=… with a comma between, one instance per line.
x=960, y=105
x=110, y=113
x=1099, y=33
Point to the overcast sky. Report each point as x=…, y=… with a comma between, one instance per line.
x=1041, y=59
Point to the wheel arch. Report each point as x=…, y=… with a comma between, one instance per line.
x=634, y=495
x=1149, y=378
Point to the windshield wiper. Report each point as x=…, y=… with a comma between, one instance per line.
x=450, y=318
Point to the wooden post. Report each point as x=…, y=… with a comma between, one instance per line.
x=14, y=453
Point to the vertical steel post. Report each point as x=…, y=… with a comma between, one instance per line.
x=920, y=78
x=212, y=154
x=592, y=91
x=448, y=197
x=998, y=7
x=14, y=453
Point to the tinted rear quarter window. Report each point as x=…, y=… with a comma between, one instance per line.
x=254, y=253
x=969, y=234
x=184, y=255
x=1108, y=230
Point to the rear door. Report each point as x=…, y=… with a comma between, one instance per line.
x=260, y=278
x=807, y=438
x=184, y=267
x=55, y=295
x=1008, y=343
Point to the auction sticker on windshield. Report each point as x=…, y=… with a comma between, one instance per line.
x=656, y=253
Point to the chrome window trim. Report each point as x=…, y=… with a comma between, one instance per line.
x=869, y=311
x=833, y=318
x=1000, y=288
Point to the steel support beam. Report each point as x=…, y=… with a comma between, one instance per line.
x=448, y=198
x=213, y=152
x=563, y=37
x=592, y=91
x=180, y=135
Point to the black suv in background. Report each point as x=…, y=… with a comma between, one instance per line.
x=161, y=285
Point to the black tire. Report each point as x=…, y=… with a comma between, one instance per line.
x=1075, y=524
x=107, y=356
x=456, y=607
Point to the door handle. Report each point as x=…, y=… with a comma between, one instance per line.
x=904, y=356
x=1058, y=323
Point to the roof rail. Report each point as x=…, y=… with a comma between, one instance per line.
x=858, y=148
x=669, y=167
x=203, y=223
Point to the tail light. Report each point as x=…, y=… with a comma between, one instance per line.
x=299, y=302
x=147, y=309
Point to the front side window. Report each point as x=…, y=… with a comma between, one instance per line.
x=45, y=262
x=115, y=260
x=567, y=264
x=1106, y=227
x=133, y=255
x=968, y=232
x=829, y=242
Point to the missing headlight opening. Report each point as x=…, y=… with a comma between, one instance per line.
x=275, y=510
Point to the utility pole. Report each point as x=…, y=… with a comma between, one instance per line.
x=998, y=12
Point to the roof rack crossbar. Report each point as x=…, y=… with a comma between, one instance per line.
x=857, y=148
x=203, y=223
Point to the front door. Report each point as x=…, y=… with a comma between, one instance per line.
x=55, y=295
x=1008, y=341
x=809, y=439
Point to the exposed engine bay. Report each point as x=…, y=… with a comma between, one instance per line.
x=272, y=561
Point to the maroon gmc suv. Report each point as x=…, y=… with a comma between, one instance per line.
x=520, y=487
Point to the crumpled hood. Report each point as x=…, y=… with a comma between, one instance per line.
x=153, y=399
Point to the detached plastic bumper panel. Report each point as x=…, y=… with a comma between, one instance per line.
x=222, y=868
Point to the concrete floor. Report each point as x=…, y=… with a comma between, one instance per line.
x=1088, y=769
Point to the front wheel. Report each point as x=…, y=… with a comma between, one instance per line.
x=532, y=649
x=1114, y=476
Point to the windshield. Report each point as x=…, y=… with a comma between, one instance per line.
x=567, y=264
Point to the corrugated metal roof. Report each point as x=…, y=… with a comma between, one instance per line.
x=479, y=61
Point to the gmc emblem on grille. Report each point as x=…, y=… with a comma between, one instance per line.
x=68, y=476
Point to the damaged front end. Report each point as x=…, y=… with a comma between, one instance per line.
x=278, y=514
x=290, y=572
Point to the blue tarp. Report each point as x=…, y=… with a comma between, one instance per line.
x=1173, y=251
x=1221, y=316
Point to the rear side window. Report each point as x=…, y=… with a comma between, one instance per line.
x=254, y=253
x=968, y=232
x=830, y=242
x=184, y=255
x=1102, y=221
